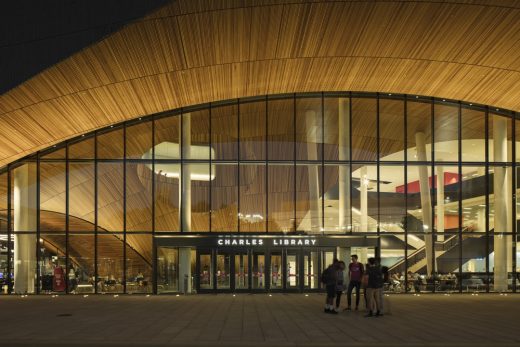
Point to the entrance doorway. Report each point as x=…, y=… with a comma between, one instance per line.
x=253, y=270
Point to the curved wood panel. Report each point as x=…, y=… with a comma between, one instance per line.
x=192, y=52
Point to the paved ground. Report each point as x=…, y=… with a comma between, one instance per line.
x=256, y=320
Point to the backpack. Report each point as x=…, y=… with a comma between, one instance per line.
x=325, y=275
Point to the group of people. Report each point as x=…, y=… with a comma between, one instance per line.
x=370, y=278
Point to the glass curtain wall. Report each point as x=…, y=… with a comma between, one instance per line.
x=433, y=179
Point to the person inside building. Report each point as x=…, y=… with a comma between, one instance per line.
x=355, y=273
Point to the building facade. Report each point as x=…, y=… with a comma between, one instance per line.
x=260, y=194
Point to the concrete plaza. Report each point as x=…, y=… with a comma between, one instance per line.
x=256, y=320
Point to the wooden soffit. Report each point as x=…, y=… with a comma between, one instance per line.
x=192, y=52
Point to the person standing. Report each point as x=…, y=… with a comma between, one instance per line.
x=329, y=278
x=340, y=285
x=355, y=273
x=374, y=288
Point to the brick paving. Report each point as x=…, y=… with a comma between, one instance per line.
x=256, y=320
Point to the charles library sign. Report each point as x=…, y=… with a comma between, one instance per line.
x=269, y=242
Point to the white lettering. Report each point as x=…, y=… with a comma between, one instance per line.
x=241, y=242
x=220, y=242
x=275, y=242
x=300, y=242
x=234, y=242
x=313, y=242
x=260, y=242
x=306, y=242
x=293, y=242
x=286, y=242
x=227, y=242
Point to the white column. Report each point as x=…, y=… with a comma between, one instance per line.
x=314, y=180
x=185, y=269
x=344, y=170
x=440, y=203
x=25, y=220
x=363, y=199
x=501, y=205
x=185, y=175
x=426, y=203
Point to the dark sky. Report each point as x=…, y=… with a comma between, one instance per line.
x=36, y=34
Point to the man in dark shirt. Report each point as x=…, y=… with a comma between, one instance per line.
x=374, y=287
x=355, y=273
x=329, y=278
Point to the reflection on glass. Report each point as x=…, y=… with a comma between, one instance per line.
x=138, y=139
x=280, y=136
x=391, y=130
x=110, y=196
x=52, y=196
x=241, y=271
x=167, y=269
x=309, y=129
x=206, y=271
x=252, y=198
x=81, y=261
x=252, y=130
x=258, y=271
x=446, y=127
x=81, y=196
x=310, y=270
x=419, y=131
x=364, y=198
x=110, y=263
x=308, y=198
x=224, y=198
x=281, y=197
x=139, y=263
x=292, y=271
x=364, y=129
x=276, y=270
x=223, y=271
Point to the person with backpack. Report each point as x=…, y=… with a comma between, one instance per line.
x=355, y=273
x=374, y=288
x=329, y=279
x=340, y=285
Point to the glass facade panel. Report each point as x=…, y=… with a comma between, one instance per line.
x=446, y=132
x=364, y=129
x=52, y=196
x=280, y=130
x=309, y=204
x=139, y=261
x=84, y=149
x=224, y=198
x=253, y=128
x=138, y=140
x=110, y=196
x=344, y=165
x=391, y=130
x=166, y=197
x=419, y=130
x=252, y=208
x=309, y=129
x=138, y=196
x=82, y=261
x=110, y=144
x=110, y=263
x=224, y=132
x=473, y=131
x=82, y=203
x=280, y=197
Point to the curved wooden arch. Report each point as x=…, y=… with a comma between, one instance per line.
x=192, y=52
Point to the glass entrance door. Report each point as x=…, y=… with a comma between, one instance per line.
x=223, y=271
x=205, y=266
x=311, y=272
x=241, y=270
x=258, y=280
x=292, y=270
x=276, y=271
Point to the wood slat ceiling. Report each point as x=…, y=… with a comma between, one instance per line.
x=192, y=52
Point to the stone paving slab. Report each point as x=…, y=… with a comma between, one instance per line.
x=256, y=320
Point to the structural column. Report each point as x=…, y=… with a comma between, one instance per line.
x=440, y=203
x=426, y=203
x=363, y=203
x=501, y=203
x=344, y=170
x=344, y=255
x=314, y=180
x=25, y=221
